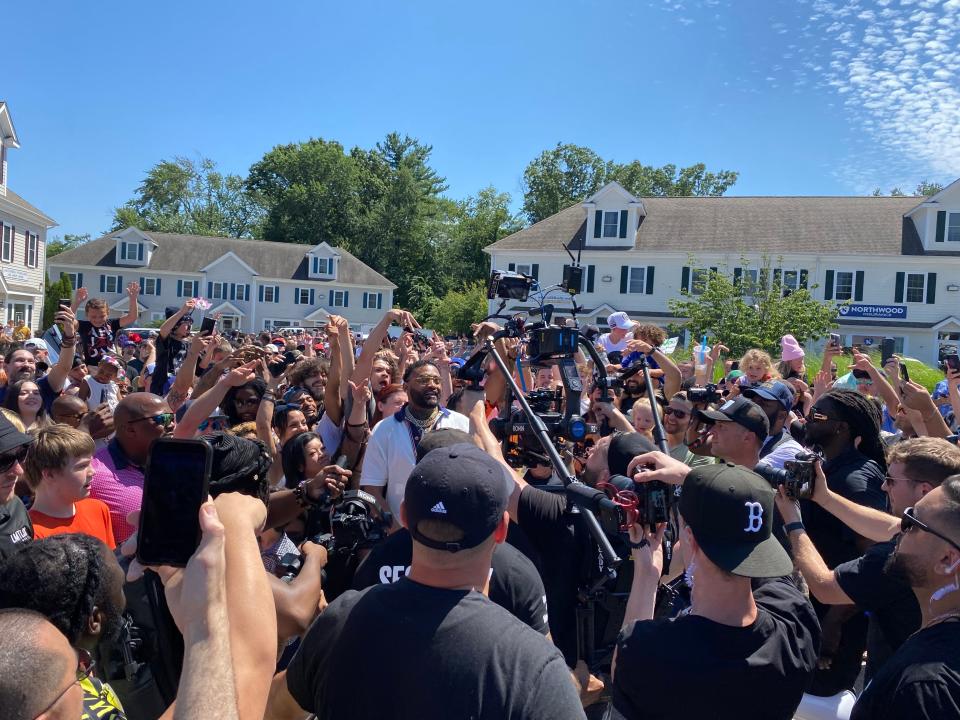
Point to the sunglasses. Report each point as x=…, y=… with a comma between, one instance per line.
x=85, y=667
x=214, y=424
x=814, y=416
x=8, y=460
x=679, y=414
x=249, y=402
x=909, y=521
x=163, y=419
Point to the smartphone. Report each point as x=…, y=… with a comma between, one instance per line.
x=175, y=485
x=835, y=341
x=904, y=375
x=735, y=365
x=64, y=303
x=952, y=362
x=208, y=325
x=886, y=350
x=861, y=374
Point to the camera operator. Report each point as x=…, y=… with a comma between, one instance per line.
x=776, y=399
x=915, y=468
x=922, y=679
x=845, y=426
x=442, y=648
x=743, y=644
x=737, y=431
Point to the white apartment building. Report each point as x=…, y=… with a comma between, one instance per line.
x=895, y=259
x=23, y=239
x=253, y=284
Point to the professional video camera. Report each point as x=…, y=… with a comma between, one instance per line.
x=704, y=395
x=355, y=524
x=797, y=475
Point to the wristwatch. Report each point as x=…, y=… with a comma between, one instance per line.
x=790, y=527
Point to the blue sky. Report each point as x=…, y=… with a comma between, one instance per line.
x=802, y=97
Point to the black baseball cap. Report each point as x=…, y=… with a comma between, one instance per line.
x=10, y=437
x=730, y=510
x=624, y=447
x=461, y=485
x=741, y=411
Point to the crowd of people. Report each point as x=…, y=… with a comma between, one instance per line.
x=373, y=545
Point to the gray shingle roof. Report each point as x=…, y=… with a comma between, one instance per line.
x=179, y=253
x=729, y=224
x=17, y=200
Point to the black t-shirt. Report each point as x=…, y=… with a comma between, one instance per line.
x=170, y=355
x=921, y=680
x=889, y=601
x=95, y=342
x=514, y=583
x=15, y=526
x=406, y=650
x=692, y=667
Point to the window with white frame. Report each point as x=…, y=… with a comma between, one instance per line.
x=749, y=280
x=338, y=297
x=525, y=269
x=76, y=280
x=218, y=291
x=322, y=266
x=156, y=316
x=270, y=293
x=111, y=283
x=33, y=245
x=150, y=286
x=611, y=224
x=189, y=288
x=637, y=281
x=372, y=300
x=790, y=280
x=131, y=250
x=698, y=281
x=953, y=227
x=843, y=285
x=916, y=284
x=303, y=296
x=6, y=251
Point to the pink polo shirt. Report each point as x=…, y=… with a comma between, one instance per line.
x=118, y=483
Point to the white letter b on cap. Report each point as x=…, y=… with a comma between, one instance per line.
x=754, y=517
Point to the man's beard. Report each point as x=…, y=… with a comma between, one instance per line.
x=423, y=399
x=905, y=569
x=24, y=374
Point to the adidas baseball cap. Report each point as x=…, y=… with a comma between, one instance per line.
x=730, y=510
x=460, y=485
x=745, y=413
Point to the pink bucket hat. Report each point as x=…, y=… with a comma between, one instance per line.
x=790, y=349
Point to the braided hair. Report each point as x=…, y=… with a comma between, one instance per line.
x=61, y=577
x=863, y=418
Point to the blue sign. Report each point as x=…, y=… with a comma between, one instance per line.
x=874, y=312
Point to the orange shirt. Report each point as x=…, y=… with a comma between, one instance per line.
x=92, y=517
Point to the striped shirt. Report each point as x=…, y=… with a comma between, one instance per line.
x=118, y=483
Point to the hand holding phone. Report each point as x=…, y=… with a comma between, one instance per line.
x=208, y=325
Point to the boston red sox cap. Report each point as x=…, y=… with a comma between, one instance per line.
x=460, y=485
x=730, y=510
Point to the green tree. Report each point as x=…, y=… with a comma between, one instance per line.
x=458, y=309
x=309, y=190
x=191, y=197
x=53, y=292
x=57, y=245
x=471, y=225
x=928, y=189
x=742, y=315
x=567, y=174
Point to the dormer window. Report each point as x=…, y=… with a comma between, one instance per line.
x=611, y=224
x=953, y=227
x=131, y=252
x=322, y=266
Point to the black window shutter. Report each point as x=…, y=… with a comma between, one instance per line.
x=803, y=279
x=624, y=275
x=330, y=298
x=346, y=297
x=210, y=290
x=143, y=285
x=941, y=224
x=598, y=223
x=119, y=283
x=858, y=286
x=363, y=301
x=79, y=281
x=828, y=286
x=685, y=278
x=140, y=252
x=261, y=293
x=591, y=273
x=512, y=267
x=898, y=288
x=737, y=276
x=623, y=223
x=296, y=296
x=535, y=271
x=649, y=279
x=103, y=283
x=379, y=301
x=311, y=296
x=931, y=288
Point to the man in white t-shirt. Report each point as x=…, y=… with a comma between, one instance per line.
x=616, y=340
x=391, y=450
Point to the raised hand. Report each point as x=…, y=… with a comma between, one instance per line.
x=133, y=289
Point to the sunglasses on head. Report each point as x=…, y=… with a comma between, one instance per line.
x=815, y=416
x=162, y=419
x=909, y=521
x=679, y=414
x=8, y=460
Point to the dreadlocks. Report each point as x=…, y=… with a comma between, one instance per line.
x=863, y=418
x=61, y=577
